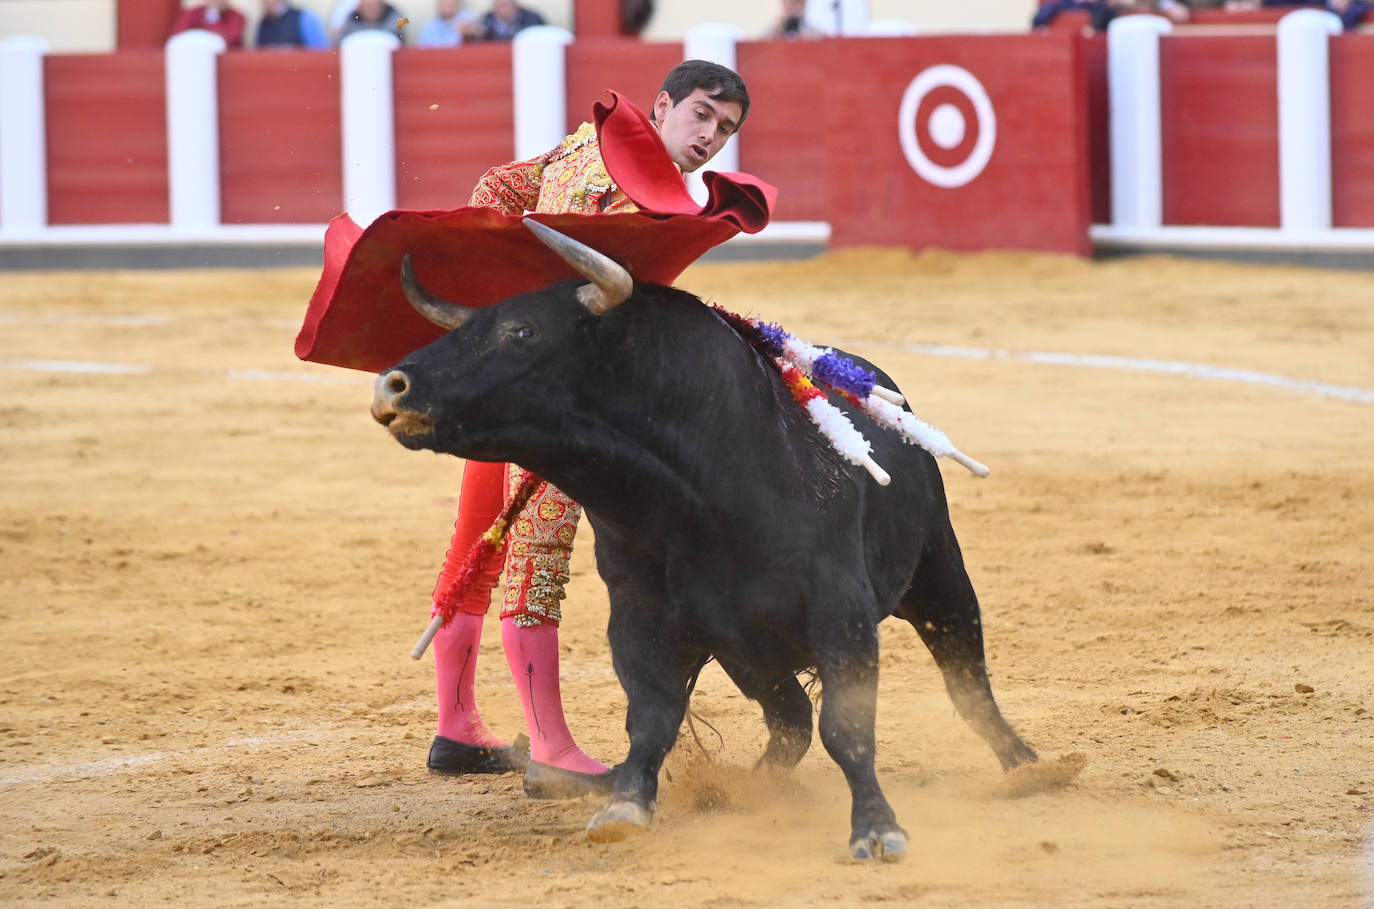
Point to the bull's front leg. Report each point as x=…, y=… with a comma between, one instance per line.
x=652, y=661
x=848, y=667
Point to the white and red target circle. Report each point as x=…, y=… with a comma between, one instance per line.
x=947, y=126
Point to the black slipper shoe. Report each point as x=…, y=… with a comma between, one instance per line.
x=545, y=781
x=456, y=758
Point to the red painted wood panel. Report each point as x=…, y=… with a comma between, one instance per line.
x=1076, y=21
x=145, y=24
x=1033, y=191
x=1093, y=52
x=596, y=19
x=1219, y=106
x=1352, y=131
x=107, y=138
x=633, y=68
x=279, y=137
x=1247, y=18
x=454, y=119
x=782, y=141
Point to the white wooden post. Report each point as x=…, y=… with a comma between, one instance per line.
x=716, y=42
x=23, y=146
x=1134, y=105
x=1305, y=119
x=369, y=124
x=193, y=130
x=539, y=82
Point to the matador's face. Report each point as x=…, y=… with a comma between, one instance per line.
x=697, y=127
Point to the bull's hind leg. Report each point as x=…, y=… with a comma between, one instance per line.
x=943, y=608
x=848, y=668
x=786, y=713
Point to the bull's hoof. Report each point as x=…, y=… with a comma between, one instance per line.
x=616, y=821
x=889, y=846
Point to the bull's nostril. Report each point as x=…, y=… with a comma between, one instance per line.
x=396, y=383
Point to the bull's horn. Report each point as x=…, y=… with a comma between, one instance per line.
x=611, y=283
x=441, y=312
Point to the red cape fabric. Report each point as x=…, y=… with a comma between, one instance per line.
x=359, y=317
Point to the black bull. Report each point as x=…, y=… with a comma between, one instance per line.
x=725, y=525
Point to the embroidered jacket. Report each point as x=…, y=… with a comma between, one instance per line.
x=570, y=179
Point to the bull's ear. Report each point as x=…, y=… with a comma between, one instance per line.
x=441, y=312
x=611, y=283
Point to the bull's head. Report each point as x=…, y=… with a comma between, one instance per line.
x=451, y=395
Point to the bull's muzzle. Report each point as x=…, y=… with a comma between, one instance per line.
x=387, y=409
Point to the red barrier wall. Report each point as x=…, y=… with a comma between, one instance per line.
x=1220, y=132
x=145, y=24
x=1033, y=192
x=1094, y=53
x=1352, y=131
x=783, y=139
x=596, y=19
x=279, y=138
x=633, y=68
x=824, y=128
x=106, y=138
x=454, y=119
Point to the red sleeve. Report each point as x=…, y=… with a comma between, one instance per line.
x=185, y=21
x=479, y=504
x=511, y=189
x=233, y=26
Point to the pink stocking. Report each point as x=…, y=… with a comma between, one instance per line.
x=455, y=646
x=455, y=665
x=532, y=654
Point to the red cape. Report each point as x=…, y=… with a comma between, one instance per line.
x=359, y=317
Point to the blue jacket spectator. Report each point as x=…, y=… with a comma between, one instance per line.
x=450, y=26
x=505, y=19
x=1353, y=14
x=373, y=15
x=284, y=25
x=1100, y=12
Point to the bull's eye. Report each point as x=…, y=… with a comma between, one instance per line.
x=517, y=331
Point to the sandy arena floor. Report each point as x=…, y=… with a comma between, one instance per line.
x=212, y=570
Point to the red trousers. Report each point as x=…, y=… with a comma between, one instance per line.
x=538, y=544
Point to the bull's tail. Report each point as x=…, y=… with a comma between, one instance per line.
x=943, y=608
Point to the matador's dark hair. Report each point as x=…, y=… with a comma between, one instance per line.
x=719, y=82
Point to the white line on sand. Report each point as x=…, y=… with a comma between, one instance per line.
x=77, y=366
x=82, y=366
x=40, y=773
x=1137, y=364
x=1128, y=364
x=332, y=378
x=40, y=318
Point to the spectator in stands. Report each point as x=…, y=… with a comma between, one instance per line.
x=338, y=15
x=284, y=25
x=372, y=15
x=506, y=18
x=1246, y=5
x=1176, y=10
x=792, y=24
x=451, y=26
x=213, y=16
x=634, y=16
x=1102, y=12
x=1353, y=13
